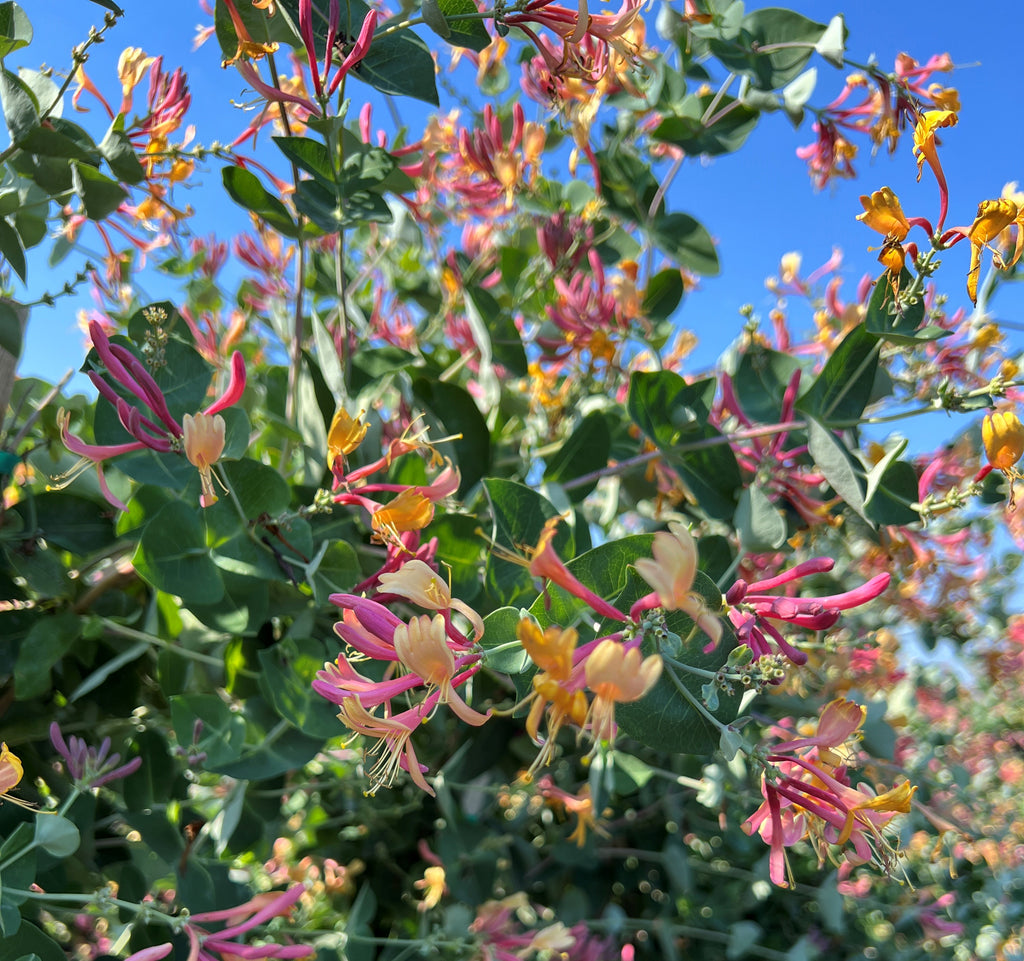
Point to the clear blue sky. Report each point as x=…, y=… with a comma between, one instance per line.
x=758, y=204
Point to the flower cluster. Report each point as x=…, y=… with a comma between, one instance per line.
x=200, y=436
x=808, y=795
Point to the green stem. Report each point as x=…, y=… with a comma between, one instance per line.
x=694, y=702
x=129, y=633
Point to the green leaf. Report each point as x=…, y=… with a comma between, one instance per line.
x=245, y=189
x=457, y=411
x=399, y=64
x=119, y=153
x=499, y=326
x=843, y=388
x=682, y=237
x=687, y=129
x=21, y=110
x=56, y=835
x=50, y=638
x=12, y=319
x=13, y=251
x=172, y=556
x=332, y=212
x=892, y=489
x=896, y=322
x=70, y=522
x=663, y=294
x=100, y=195
x=673, y=413
x=461, y=33
x=15, y=29
x=243, y=609
x=771, y=26
x=797, y=92
x=309, y=155
x=29, y=940
x=519, y=514
x=585, y=450
x=502, y=652
x=760, y=381
x=430, y=10
x=289, y=751
x=834, y=460
x=286, y=672
x=759, y=523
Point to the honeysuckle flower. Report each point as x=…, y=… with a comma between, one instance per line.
x=408, y=511
x=131, y=66
x=750, y=613
x=422, y=647
x=883, y=214
x=807, y=794
x=418, y=582
x=345, y=435
x=925, y=152
x=581, y=805
x=394, y=741
x=617, y=673
x=1003, y=437
x=993, y=217
x=248, y=48
x=321, y=84
x=551, y=650
x=210, y=946
x=11, y=773
x=203, y=439
x=433, y=886
x=91, y=767
x=544, y=562
x=671, y=573
x=150, y=422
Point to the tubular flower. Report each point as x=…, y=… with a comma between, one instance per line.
x=418, y=582
x=204, y=443
x=553, y=652
x=345, y=435
x=924, y=151
x=91, y=767
x=248, y=48
x=993, y=217
x=149, y=421
x=422, y=647
x=208, y=946
x=807, y=794
x=750, y=613
x=11, y=770
x=671, y=573
x=615, y=673
x=883, y=214
x=408, y=511
x=545, y=562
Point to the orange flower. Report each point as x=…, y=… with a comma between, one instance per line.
x=345, y=435
x=924, y=150
x=1003, y=437
x=409, y=511
x=993, y=217
x=883, y=214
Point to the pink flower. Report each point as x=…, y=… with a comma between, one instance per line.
x=220, y=946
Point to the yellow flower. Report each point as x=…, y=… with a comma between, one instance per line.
x=993, y=217
x=615, y=674
x=551, y=650
x=345, y=435
x=1003, y=436
x=884, y=215
x=924, y=138
x=204, y=443
x=433, y=886
x=248, y=48
x=11, y=770
x=408, y=511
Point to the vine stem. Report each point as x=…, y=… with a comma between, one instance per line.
x=129, y=633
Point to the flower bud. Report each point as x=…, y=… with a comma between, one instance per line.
x=1003, y=436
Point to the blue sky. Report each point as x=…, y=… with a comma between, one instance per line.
x=758, y=204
